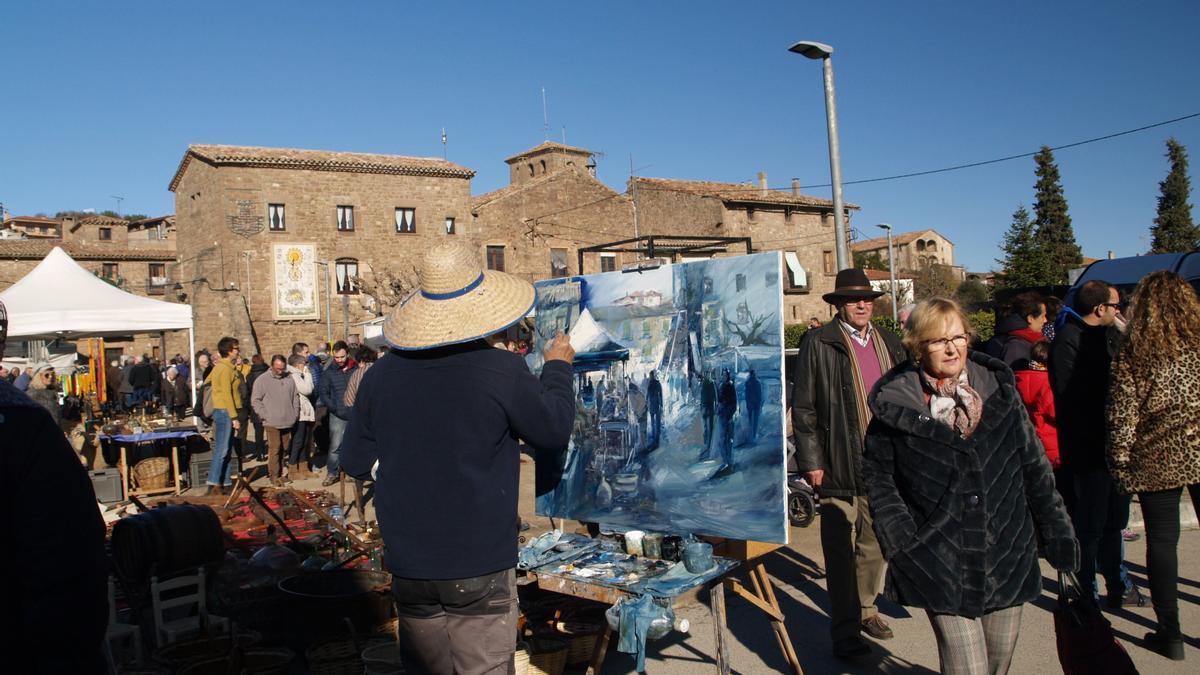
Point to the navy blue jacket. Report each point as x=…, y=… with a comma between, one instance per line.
x=444, y=425
x=332, y=389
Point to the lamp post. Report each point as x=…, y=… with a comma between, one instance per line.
x=891, y=271
x=817, y=50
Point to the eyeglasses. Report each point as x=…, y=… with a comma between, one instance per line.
x=47, y=376
x=1114, y=305
x=959, y=341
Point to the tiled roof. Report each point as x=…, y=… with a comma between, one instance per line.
x=36, y=249
x=319, y=160
x=884, y=275
x=509, y=190
x=897, y=239
x=29, y=219
x=547, y=146
x=734, y=192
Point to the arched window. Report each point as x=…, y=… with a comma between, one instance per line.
x=920, y=245
x=345, y=274
x=933, y=260
x=923, y=260
x=543, y=167
x=931, y=246
x=531, y=169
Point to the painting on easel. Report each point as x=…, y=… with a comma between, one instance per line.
x=679, y=398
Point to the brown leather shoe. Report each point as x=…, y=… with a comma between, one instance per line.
x=877, y=628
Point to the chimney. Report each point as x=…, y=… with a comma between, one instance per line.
x=762, y=183
x=795, y=187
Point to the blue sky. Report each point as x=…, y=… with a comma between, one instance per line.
x=102, y=98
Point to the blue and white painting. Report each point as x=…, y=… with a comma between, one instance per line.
x=679, y=398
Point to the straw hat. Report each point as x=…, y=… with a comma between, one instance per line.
x=458, y=301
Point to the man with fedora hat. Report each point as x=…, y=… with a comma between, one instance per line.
x=836, y=368
x=442, y=414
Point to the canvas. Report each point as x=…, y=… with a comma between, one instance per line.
x=679, y=398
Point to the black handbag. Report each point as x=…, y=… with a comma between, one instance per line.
x=1085, y=639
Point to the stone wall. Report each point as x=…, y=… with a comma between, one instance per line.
x=236, y=269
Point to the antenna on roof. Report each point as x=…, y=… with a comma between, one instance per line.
x=443, y=142
x=119, y=200
x=564, y=129
x=545, y=118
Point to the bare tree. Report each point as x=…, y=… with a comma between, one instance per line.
x=386, y=286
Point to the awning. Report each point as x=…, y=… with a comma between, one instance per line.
x=796, y=271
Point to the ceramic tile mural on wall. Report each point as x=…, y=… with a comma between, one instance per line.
x=679, y=398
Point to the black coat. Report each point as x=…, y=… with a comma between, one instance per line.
x=1079, y=367
x=54, y=607
x=960, y=520
x=825, y=425
x=444, y=424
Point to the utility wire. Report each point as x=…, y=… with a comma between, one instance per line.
x=970, y=165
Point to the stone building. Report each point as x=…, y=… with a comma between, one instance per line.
x=31, y=227
x=361, y=216
x=914, y=250
x=553, y=206
x=799, y=225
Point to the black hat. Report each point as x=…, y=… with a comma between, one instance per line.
x=851, y=284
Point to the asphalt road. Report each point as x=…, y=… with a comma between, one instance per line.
x=800, y=588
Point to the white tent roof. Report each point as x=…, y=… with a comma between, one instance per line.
x=58, y=298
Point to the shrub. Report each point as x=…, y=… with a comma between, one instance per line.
x=792, y=333
x=984, y=324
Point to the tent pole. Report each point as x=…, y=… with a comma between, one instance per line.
x=192, y=375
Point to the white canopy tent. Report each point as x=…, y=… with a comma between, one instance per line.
x=59, y=299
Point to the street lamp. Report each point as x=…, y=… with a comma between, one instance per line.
x=817, y=50
x=891, y=270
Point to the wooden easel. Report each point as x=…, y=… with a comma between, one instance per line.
x=761, y=594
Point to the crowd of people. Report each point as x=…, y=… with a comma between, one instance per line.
x=286, y=411
x=956, y=468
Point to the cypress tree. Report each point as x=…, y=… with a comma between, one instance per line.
x=1024, y=263
x=1173, y=229
x=1052, y=224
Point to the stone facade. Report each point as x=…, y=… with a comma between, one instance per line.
x=223, y=198
x=775, y=220
x=914, y=250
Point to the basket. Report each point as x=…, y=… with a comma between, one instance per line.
x=581, y=640
x=382, y=659
x=547, y=656
x=340, y=656
x=521, y=659
x=151, y=473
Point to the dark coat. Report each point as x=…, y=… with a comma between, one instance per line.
x=960, y=520
x=141, y=375
x=1013, y=341
x=1079, y=367
x=444, y=425
x=54, y=610
x=332, y=388
x=175, y=394
x=825, y=425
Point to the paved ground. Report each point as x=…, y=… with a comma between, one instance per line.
x=801, y=591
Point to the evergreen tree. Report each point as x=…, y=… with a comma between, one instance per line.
x=1024, y=264
x=1052, y=224
x=1173, y=229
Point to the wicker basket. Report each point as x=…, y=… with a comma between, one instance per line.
x=340, y=656
x=547, y=656
x=521, y=659
x=152, y=473
x=581, y=640
x=382, y=659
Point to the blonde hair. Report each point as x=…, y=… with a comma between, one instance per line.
x=927, y=321
x=1164, y=319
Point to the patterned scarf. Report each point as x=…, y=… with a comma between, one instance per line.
x=953, y=402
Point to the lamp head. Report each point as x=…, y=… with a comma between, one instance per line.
x=884, y=226
x=812, y=50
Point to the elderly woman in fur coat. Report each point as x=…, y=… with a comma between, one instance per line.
x=1154, y=432
x=961, y=492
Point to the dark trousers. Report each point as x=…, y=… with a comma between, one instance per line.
x=1100, y=514
x=301, y=437
x=1161, y=513
x=457, y=626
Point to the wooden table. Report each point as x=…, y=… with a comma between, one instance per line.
x=610, y=595
x=122, y=441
